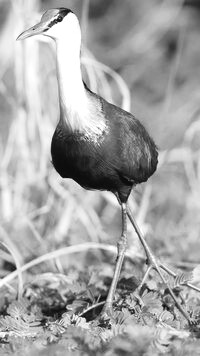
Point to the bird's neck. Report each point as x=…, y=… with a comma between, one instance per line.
x=72, y=94
x=79, y=111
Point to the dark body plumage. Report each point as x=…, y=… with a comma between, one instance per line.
x=125, y=156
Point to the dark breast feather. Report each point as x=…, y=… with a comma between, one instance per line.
x=76, y=158
x=125, y=157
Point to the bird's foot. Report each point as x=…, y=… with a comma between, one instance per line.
x=107, y=311
x=106, y=315
x=176, y=276
x=152, y=265
x=155, y=264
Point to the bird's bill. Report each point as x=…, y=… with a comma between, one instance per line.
x=37, y=29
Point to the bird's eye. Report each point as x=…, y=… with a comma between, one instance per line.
x=59, y=18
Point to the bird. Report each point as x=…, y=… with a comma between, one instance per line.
x=96, y=143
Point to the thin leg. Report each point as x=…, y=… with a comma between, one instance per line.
x=121, y=249
x=154, y=263
x=144, y=277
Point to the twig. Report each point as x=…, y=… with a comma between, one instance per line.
x=58, y=253
x=84, y=19
x=93, y=306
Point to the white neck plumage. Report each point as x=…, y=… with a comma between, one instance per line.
x=72, y=94
x=81, y=112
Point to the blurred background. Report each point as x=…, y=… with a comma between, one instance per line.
x=141, y=55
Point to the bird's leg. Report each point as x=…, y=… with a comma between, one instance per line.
x=121, y=249
x=152, y=262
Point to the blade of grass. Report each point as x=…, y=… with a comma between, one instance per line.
x=62, y=252
x=18, y=268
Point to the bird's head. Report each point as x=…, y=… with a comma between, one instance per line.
x=57, y=23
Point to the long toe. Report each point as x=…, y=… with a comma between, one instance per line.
x=156, y=265
x=179, y=276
